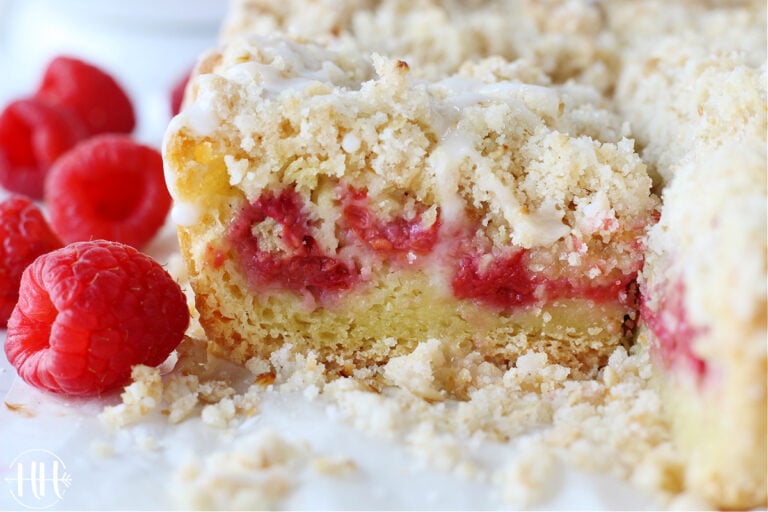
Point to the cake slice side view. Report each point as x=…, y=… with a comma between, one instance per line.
x=328, y=200
x=704, y=320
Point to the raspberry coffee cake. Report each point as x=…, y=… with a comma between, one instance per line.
x=692, y=85
x=704, y=315
x=333, y=202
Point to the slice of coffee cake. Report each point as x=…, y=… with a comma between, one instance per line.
x=332, y=202
x=692, y=85
x=704, y=318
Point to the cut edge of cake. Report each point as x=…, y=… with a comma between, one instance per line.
x=704, y=320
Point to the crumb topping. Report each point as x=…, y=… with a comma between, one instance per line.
x=526, y=157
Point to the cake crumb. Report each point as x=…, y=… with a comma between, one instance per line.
x=101, y=449
x=193, y=387
x=182, y=396
x=214, y=391
x=334, y=466
x=247, y=404
x=297, y=372
x=525, y=480
x=417, y=371
x=257, y=473
x=147, y=443
x=220, y=414
x=258, y=366
x=440, y=450
x=139, y=398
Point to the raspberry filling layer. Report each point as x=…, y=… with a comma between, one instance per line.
x=674, y=335
x=506, y=281
x=299, y=264
x=501, y=281
x=394, y=236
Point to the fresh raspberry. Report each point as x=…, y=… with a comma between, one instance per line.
x=96, y=98
x=33, y=134
x=25, y=235
x=177, y=94
x=89, y=312
x=108, y=187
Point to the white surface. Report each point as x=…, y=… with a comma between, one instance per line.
x=146, y=54
x=147, y=57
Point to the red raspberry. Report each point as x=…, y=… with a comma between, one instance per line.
x=505, y=282
x=25, y=235
x=96, y=98
x=89, y=312
x=108, y=187
x=33, y=134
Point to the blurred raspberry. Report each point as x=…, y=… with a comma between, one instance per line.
x=33, y=134
x=25, y=235
x=92, y=94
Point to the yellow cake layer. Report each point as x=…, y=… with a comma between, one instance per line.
x=391, y=314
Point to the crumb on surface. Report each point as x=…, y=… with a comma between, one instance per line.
x=257, y=472
x=524, y=479
x=613, y=423
x=435, y=402
x=139, y=398
x=192, y=388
